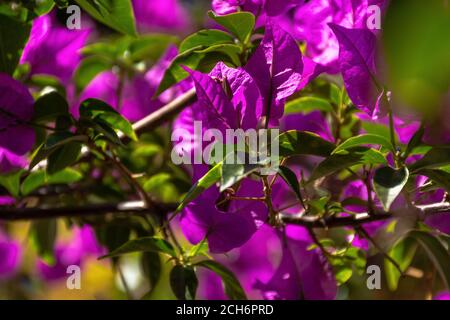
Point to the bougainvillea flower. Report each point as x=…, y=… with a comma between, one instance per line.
x=160, y=15
x=82, y=245
x=277, y=68
x=239, y=108
x=53, y=49
x=225, y=228
x=10, y=161
x=357, y=64
x=254, y=261
x=302, y=273
x=136, y=98
x=10, y=256
x=310, y=24
x=16, y=109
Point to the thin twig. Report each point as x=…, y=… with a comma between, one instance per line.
x=366, y=235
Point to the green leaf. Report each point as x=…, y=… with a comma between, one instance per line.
x=162, y=185
x=342, y=274
x=364, y=139
x=45, y=80
x=183, y=282
x=13, y=37
x=205, y=38
x=231, y=51
x=117, y=14
x=151, y=266
x=435, y=158
x=40, y=178
x=292, y=143
x=388, y=183
x=337, y=162
x=306, y=105
x=440, y=177
x=415, y=141
x=291, y=179
x=50, y=106
x=211, y=177
x=11, y=182
x=233, y=172
x=88, y=69
x=93, y=108
x=376, y=128
x=145, y=244
x=43, y=235
x=232, y=286
x=150, y=46
x=199, y=59
x=240, y=24
x=403, y=253
x=437, y=253
x=63, y=157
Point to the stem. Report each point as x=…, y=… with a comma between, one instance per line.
x=124, y=283
x=138, y=207
x=375, y=244
x=319, y=244
x=268, y=201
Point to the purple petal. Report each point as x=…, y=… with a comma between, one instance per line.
x=10, y=161
x=213, y=106
x=277, y=68
x=357, y=65
x=17, y=102
x=10, y=257
x=246, y=100
x=53, y=49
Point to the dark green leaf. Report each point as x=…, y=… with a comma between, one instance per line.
x=240, y=24
x=435, y=158
x=40, y=178
x=440, y=177
x=11, y=182
x=211, y=177
x=205, y=38
x=437, y=253
x=292, y=143
x=43, y=233
x=50, y=106
x=232, y=286
x=415, y=141
x=291, y=179
x=93, y=108
x=233, y=172
x=183, y=282
x=388, y=183
x=364, y=139
x=151, y=265
x=145, y=244
x=13, y=37
x=337, y=162
x=403, y=253
x=307, y=104
x=63, y=157
x=117, y=14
